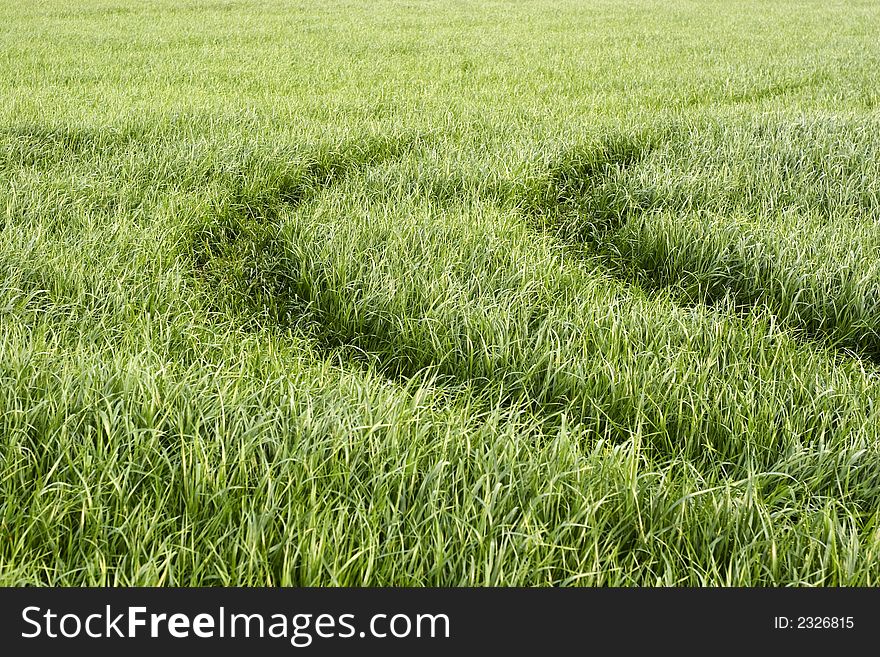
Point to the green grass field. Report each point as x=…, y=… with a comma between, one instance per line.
x=535, y=292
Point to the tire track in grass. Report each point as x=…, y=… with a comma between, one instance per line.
x=585, y=200
x=247, y=261
x=243, y=260
x=576, y=199
x=672, y=239
x=548, y=349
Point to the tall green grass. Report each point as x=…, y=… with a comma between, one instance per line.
x=779, y=213
x=538, y=293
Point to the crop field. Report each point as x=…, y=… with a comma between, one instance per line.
x=484, y=292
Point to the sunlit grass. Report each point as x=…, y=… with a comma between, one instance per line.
x=538, y=293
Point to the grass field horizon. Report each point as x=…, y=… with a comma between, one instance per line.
x=532, y=293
